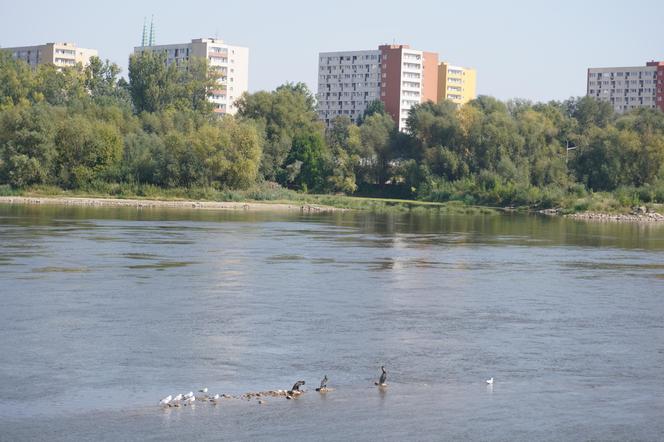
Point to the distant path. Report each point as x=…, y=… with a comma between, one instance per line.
x=174, y=204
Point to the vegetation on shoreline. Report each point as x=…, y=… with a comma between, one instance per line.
x=262, y=194
x=89, y=132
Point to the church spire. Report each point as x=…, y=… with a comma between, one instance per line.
x=153, y=35
x=144, y=40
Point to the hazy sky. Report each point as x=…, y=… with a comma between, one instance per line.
x=538, y=50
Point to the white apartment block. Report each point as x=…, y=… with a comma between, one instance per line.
x=59, y=54
x=231, y=62
x=347, y=83
x=628, y=88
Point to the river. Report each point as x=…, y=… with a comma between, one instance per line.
x=105, y=311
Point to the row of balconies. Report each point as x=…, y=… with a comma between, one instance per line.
x=626, y=99
x=608, y=92
x=640, y=74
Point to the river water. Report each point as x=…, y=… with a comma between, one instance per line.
x=105, y=311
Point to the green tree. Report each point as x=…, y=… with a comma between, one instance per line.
x=376, y=134
x=59, y=86
x=87, y=151
x=589, y=111
x=156, y=86
x=375, y=107
x=27, y=151
x=309, y=149
x=16, y=80
x=102, y=83
x=284, y=114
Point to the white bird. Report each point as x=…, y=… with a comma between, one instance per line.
x=166, y=400
x=178, y=398
x=189, y=395
x=215, y=397
x=203, y=390
x=191, y=399
x=489, y=381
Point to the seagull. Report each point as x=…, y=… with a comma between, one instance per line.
x=166, y=400
x=203, y=390
x=178, y=398
x=489, y=381
x=189, y=395
x=383, y=377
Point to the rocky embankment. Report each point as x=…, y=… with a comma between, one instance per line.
x=142, y=204
x=637, y=215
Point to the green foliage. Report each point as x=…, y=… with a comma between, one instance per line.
x=155, y=86
x=86, y=149
x=309, y=151
x=16, y=80
x=375, y=107
x=376, y=135
x=284, y=115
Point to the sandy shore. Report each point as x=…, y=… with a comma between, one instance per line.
x=142, y=204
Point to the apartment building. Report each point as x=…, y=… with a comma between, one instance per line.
x=628, y=88
x=59, y=54
x=397, y=75
x=231, y=62
x=408, y=77
x=456, y=83
x=347, y=83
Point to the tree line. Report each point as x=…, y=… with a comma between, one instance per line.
x=82, y=127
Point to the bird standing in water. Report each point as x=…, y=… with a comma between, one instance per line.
x=383, y=377
x=323, y=384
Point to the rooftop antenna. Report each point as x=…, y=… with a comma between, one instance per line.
x=152, y=32
x=144, y=40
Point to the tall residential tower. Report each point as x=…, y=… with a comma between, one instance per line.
x=627, y=88
x=408, y=77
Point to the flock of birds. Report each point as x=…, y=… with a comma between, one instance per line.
x=190, y=398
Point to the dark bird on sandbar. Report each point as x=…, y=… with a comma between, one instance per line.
x=297, y=385
x=383, y=376
x=323, y=384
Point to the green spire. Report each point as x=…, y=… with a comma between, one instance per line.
x=152, y=32
x=144, y=40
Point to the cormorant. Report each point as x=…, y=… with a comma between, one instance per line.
x=383, y=376
x=297, y=385
x=323, y=384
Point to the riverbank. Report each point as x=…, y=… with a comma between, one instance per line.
x=275, y=198
x=316, y=204
x=175, y=204
x=258, y=198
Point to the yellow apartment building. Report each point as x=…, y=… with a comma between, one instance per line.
x=456, y=83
